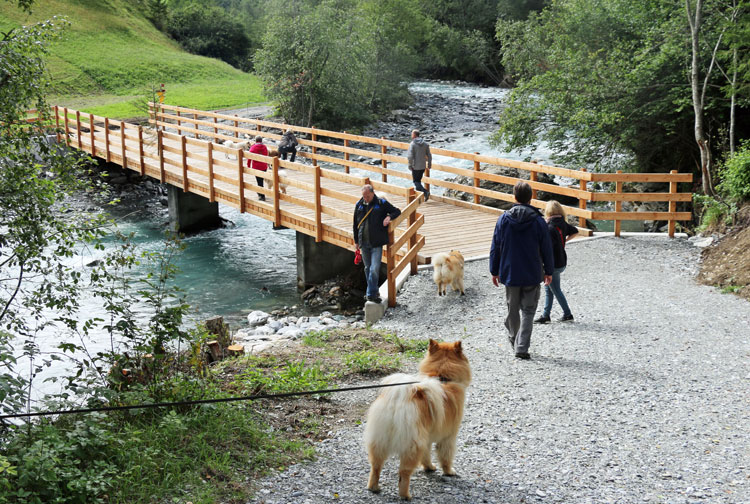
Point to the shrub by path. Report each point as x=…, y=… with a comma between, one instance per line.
x=644, y=398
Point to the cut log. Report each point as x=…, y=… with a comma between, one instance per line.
x=218, y=328
x=235, y=350
x=214, y=350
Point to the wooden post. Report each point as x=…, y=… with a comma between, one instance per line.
x=426, y=174
x=179, y=131
x=383, y=162
x=123, y=146
x=314, y=149
x=346, y=154
x=318, y=213
x=276, y=196
x=390, y=266
x=236, y=125
x=216, y=130
x=412, y=219
x=78, y=128
x=533, y=176
x=257, y=128
x=106, y=138
x=618, y=205
x=241, y=178
x=160, y=147
x=91, y=131
x=672, y=205
x=211, y=194
x=140, y=149
x=57, y=124
x=184, y=164
x=582, y=202
x=195, y=125
x=67, y=127
x=476, y=180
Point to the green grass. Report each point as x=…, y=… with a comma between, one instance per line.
x=110, y=56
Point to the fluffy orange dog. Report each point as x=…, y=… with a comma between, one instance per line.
x=282, y=187
x=406, y=420
x=448, y=269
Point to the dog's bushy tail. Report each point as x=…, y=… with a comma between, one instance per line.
x=440, y=267
x=398, y=419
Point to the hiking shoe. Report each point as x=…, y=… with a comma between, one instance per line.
x=426, y=195
x=262, y=197
x=375, y=299
x=566, y=318
x=544, y=319
x=523, y=356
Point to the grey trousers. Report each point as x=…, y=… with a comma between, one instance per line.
x=522, y=303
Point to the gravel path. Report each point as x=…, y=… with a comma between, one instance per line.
x=644, y=398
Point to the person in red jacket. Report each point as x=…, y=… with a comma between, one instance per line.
x=258, y=148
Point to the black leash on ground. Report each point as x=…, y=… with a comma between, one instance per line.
x=200, y=401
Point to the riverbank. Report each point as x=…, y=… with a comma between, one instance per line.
x=641, y=399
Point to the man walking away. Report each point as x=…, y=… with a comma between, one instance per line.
x=371, y=218
x=419, y=157
x=520, y=249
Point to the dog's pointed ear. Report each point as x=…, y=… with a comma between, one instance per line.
x=433, y=346
x=457, y=347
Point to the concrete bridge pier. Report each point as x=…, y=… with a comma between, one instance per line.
x=190, y=213
x=320, y=261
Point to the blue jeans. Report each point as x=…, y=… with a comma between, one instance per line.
x=553, y=289
x=372, y=257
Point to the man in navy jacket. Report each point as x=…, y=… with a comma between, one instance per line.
x=371, y=218
x=520, y=258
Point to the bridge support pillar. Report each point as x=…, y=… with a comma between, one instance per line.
x=190, y=213
x=320, y=261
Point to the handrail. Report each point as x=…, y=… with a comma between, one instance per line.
x=163, y=114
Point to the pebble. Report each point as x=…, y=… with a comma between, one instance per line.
x=643, y=398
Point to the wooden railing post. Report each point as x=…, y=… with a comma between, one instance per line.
x=183, y=144
x=383, y=162
x=160, y=148
x=123, y=146
x=390, y=257
x=318, y=213
x=179, y=131
x=67, y=127
x=78, y=128
x=314, y=149
x=476, y=180
x=618, y=205
x=276, y=195
x=91, y=129
x=57, y=124
x=346, y=154
x=236, y=125
x=426, y=174
x=241, y=178
x=140, y=149
x=106, y=139
x=211, y=193
x=672, y=205
x=533, y=177
x=195, y=125
x=412, y=219
x=582, y=202
x=216, y=129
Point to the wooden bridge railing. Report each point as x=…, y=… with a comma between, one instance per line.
x=206, y=124
x=205, y=168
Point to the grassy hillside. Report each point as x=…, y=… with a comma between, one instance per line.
x=110, y=56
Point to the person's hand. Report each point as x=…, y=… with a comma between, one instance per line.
x=496, y=280
x=386, y=221
x=547, y=279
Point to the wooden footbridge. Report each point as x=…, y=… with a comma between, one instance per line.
x=179, y=147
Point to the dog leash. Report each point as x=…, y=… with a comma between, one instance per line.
x=200, y=401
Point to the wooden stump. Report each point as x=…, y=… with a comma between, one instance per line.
x=214, y=351
x=218, y=328
x=234, y=350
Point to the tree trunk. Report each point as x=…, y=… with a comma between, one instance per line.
x=732, y=105
x=698, y=103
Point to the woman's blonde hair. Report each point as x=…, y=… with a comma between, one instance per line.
x=554, y=208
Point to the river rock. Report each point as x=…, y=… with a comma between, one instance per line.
x=257, y=318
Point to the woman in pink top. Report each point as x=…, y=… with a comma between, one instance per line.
x=258, y=148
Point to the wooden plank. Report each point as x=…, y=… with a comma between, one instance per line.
x=615, y=196
x=642, y=177
x=211, y=191
x=642, y=216
x=184, y=165
x=672, y=206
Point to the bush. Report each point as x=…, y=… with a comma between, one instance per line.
x=713, y=214
x=735, y=178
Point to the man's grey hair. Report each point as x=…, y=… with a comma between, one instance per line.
x=368, y=188
x=415, y=132
x=258, y=138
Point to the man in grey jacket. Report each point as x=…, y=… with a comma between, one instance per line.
x=419, y=157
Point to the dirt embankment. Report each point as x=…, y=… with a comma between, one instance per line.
x=727, y=264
